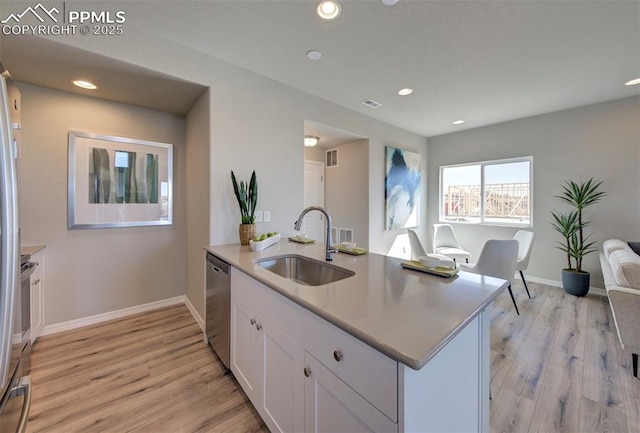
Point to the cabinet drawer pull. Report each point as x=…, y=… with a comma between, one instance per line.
x=258, y=326
x=253, y=321
x=337, y=355
x=307, y=371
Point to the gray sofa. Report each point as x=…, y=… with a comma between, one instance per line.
x=621, y=272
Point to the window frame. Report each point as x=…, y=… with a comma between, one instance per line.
x=482, y=165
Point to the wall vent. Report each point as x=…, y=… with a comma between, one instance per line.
x=340, y=234
x=346, y=235
x=371, y=103
x=332, y=158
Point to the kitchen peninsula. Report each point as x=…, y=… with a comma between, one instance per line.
x=386, y=349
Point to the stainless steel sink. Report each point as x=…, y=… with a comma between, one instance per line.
x=304, y=270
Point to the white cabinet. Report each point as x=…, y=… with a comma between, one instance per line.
x=333, y=406
x=244, y=346
x=302, y=373
x=282, y=380
x=267, y=362
x=37, y=296
x=355, y=362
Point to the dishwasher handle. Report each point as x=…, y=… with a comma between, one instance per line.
x=217, y=264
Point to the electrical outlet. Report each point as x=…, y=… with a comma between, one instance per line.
x=258, y=216
x=267, y=216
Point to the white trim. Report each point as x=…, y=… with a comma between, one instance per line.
x=103, y=317
x=194, y=313
x=554, y=283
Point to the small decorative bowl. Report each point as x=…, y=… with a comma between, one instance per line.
x=348, y=245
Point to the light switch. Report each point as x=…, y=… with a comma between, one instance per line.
x=267, y=216
x=258, y=216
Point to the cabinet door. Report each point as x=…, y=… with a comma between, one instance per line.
x=332, y=406
x=282, y=384
x=244, y=344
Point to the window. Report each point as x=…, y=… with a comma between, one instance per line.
x=492, y=192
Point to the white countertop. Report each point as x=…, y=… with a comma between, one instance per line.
x=407, y=315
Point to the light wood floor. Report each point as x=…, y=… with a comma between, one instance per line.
x=145, y=373
x=558, y=367
x=555, y=368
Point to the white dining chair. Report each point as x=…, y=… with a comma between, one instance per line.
x=525, y=244
x=498, y=259
x=417, y=250
x=446, y=243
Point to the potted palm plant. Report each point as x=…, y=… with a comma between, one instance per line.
x=571, y=226
x=247, y=195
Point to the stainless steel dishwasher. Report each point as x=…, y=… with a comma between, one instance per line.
x=218, y=305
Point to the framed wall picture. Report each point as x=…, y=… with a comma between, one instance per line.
x=402, y=188
x=118, y=182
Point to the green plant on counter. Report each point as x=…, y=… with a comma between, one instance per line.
x=247, y=195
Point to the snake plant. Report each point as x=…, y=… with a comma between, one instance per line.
x=247, y=195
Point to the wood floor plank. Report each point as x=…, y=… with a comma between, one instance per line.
x=599, y=418
x=558, y=404
x=507, y=338
x=630, y=390
x=510, y=412
x=601, y=379
x=530, y=362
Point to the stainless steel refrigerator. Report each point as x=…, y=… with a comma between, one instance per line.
x=15, y=392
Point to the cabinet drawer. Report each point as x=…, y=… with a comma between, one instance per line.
x=370, y=373
x=332, y=406
x=282, y=312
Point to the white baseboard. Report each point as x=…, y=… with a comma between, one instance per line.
x=194, y=313
x=554, y=283
x=103, y=317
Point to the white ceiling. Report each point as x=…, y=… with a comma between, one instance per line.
x=329, y=137
x=482, y=61
x=48, y=64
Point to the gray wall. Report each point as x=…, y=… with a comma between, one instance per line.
x=197, y=194
x=347, y=190
x=315, y=153
x=258, y=123
x=601, y=140
x=96, y=270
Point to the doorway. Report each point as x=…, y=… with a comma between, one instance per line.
x=313, y=223
x=345, y=184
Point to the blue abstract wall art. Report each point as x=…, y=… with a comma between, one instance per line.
x=402, y=188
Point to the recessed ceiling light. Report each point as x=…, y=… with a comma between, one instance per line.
x=633, y=82
x=314, y=55
x=328, y=9
x=458, y=122
x=389, y=2
x=310, y=140
x=404, y=92
x=85, y=84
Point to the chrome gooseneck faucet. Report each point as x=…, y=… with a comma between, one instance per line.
x=329, y=244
